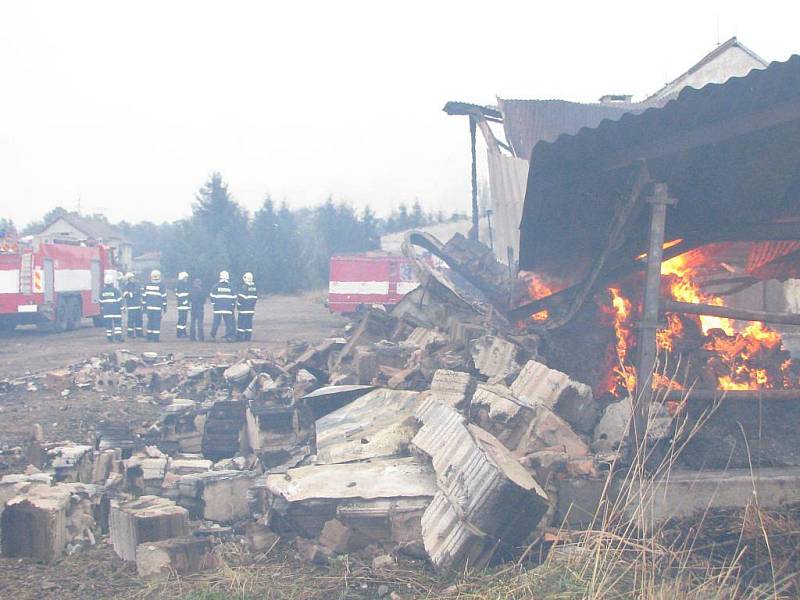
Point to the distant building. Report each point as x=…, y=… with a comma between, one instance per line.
x=144, y=263
x=525, y=123
x=73, y=228
x=731, y=59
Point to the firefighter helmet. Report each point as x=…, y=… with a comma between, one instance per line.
x=224, y=276
x=109, y=278
x=248, y=278
x=155, y=275
x=129, y=276
x=183, y=276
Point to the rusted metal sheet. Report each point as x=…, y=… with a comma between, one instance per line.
x=378, y=424
x=305, y=498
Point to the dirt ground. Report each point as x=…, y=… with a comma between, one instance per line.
x=97, y=572
x=278, y=319
x=73, y=417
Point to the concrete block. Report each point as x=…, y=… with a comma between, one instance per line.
x=102, y=466
x=313, y=553
x=338, y=538
x=219, y=496
x=548, y=431
x=239, y=373
x=179, y=555
x=495, y=357
x=259, y=538
x=146, y=519
x=453, y=388
x=35, y=525
x=571, y=400
x=42, y=520
x=71, y=463
x=487, y=502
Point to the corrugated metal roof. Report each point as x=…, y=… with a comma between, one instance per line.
x=528, y=122
x=730, y=154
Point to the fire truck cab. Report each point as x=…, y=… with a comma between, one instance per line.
x=53, y=286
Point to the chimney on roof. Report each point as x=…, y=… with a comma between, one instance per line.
x=616, y=99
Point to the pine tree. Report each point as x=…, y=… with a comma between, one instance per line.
x=264, y=247
x=218, y=232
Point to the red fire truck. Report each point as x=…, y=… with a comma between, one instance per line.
x=358, y=280
x=50, y=285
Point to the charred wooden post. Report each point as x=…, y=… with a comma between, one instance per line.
x=730, y=313
x=473, y=233
x=658, y=200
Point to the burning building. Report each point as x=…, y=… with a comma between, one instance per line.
x=655, y=226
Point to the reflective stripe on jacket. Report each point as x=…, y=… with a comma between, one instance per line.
x=222, y=298
x=182, y=295
x=133, y=295
x=155, y=296
x=111, y=302
x=246, y=299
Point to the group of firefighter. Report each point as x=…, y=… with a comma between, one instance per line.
x=146, y=304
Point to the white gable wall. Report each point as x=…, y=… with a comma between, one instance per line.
x=732, y=62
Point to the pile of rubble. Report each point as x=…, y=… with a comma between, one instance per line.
x=435, y=431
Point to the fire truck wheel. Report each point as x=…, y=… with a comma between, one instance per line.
x=62, y=315
x=73, y=314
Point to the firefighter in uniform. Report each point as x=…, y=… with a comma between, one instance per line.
x=155, y=303
x=111, y=309
x=133, y=304
x=182, y=291
x=246, y=307
x=222, y=301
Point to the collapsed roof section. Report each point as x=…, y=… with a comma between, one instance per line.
x=730, y=154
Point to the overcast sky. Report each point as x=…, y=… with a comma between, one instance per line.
x=130, y=106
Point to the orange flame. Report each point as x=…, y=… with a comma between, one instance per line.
x=624, y=372
x=739, y=354
x=537, y=288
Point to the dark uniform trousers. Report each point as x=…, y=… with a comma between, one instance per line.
x=153, y=323
x=196, y=326
x=135, y=325
x=230, y=324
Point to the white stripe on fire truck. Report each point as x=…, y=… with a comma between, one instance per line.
x=9, y=281
x=358, y=287
x=72, y=280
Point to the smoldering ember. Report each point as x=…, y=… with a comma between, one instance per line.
x=603, y=402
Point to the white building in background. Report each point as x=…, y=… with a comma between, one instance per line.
x=73, y=228
x=731, y=59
